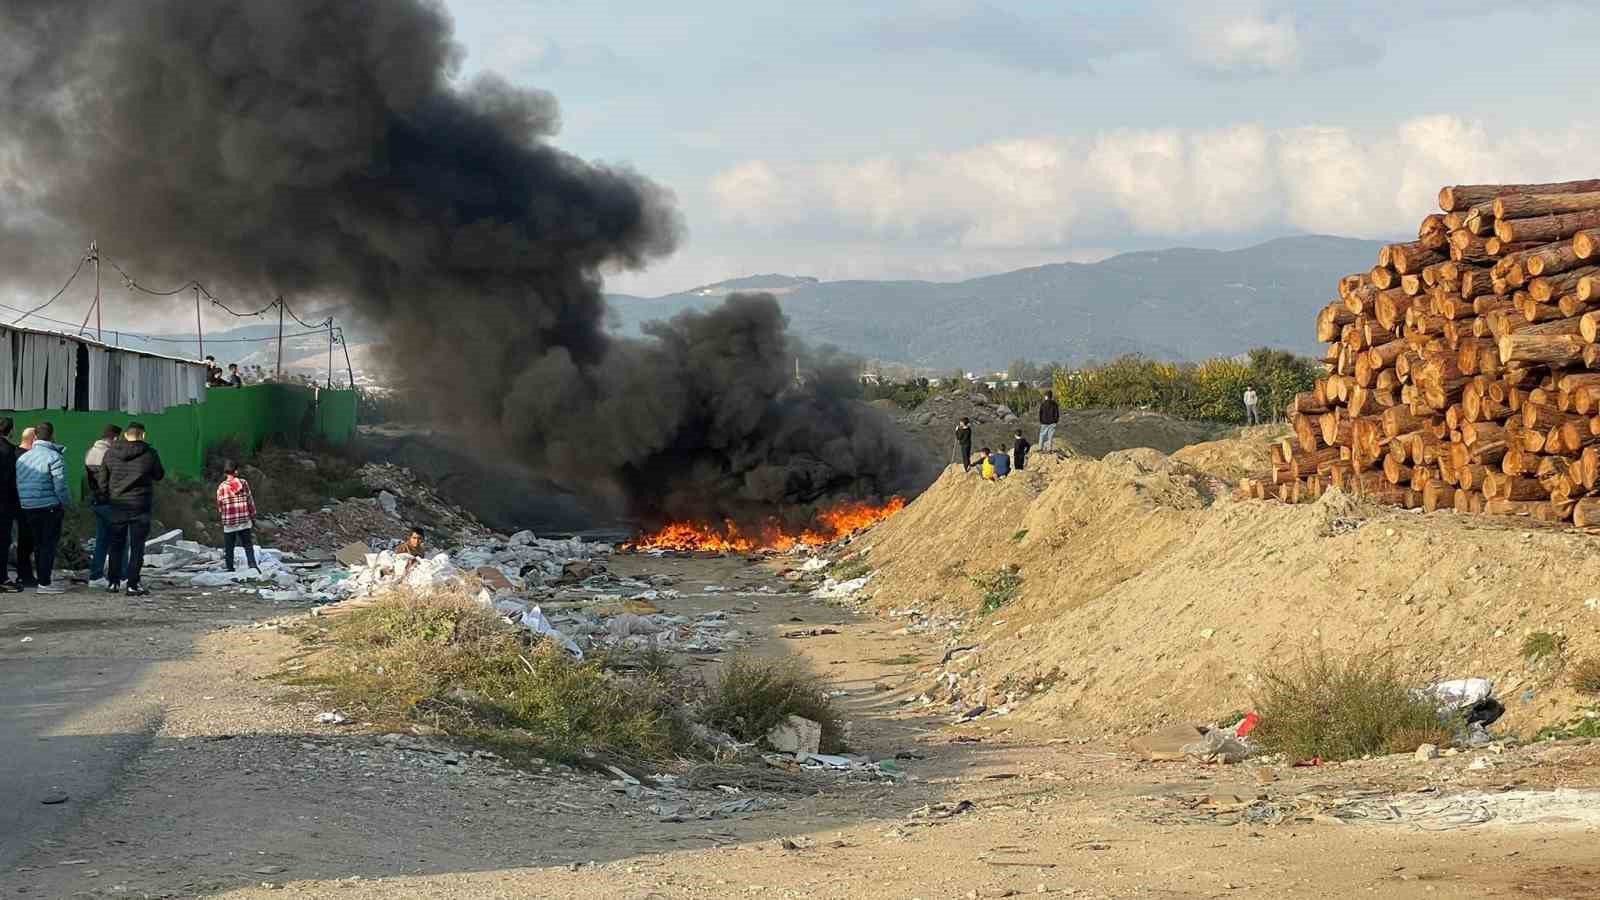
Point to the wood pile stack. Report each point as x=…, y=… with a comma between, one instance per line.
x=1463, y=368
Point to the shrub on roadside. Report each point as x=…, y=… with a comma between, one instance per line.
x=445, y=660
x=999, y=587
x=752, y=695
x=1585, y=676
x=1344, y=709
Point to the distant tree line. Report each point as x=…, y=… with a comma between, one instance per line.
x=1212, y=390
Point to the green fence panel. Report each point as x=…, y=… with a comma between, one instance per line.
x=250, y=416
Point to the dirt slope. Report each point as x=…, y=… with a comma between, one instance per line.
x=1148, y=594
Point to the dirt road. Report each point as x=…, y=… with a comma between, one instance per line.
x=218, y=783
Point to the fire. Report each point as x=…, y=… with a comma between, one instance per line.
x=831, y=524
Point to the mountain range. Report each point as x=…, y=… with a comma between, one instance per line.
x=1177, y=304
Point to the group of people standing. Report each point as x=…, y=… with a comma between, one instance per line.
x=120, y=472
x=996, y=464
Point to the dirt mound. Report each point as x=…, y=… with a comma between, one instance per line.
x=1085, y=432
x=1236, y=457
x=1148, y=596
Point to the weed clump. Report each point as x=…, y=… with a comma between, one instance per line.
x=850, y=569
x=752, y=695
x=1345, y=708
x=447, y=661
x=999, y=587
x=1585, y=676
x=1541, y=646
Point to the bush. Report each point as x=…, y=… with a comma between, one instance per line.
x=447, y=661
x=850, y=569
x=1541, y=646
x=1212, y=390
x=1345, y=709
x=752, y=695
x=999, y=587
x=1585, y=676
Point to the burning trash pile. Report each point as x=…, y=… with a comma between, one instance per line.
x=832, y=524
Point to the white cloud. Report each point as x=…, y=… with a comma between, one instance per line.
x=1118, y=185
x=1250, y=42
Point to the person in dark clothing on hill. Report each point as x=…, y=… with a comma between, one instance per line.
x=964, y=442
x=1019, y=451
x=10, y=509
x=132, y=469
x=1049, y=415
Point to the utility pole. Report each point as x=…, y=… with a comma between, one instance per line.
x=93, y=255
x=330, y=353
x=199, y=333
x=279, y=301
x=349, y=369
x=94, y=247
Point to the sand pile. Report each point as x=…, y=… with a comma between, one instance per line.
x=1148, y=595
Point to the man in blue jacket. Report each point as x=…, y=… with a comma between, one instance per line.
x=42, y=494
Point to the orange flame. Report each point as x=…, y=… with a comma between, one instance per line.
x=831, y=524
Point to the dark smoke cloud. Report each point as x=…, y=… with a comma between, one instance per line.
x=323, y=149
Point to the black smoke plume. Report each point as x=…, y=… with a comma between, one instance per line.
x=325, y=149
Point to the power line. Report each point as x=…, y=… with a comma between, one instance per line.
x=81, y=261
x=132, y=285
x=303, y=323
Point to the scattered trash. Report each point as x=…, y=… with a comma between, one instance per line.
x=795, y=734
x=809, y=632
x=332, y=718
x=942, y=810
x=1219, y=745
x=27, y=640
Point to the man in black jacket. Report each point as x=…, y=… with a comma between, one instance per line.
x=132, y=468
x=1049, y=415
x=964, y=443
x=10, y=507
x=1019, y=451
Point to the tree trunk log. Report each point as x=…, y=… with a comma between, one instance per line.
x=1547, y=228
x=1546, y=288
x=1461, y=196
x=1552, y=259
x=1523, y=206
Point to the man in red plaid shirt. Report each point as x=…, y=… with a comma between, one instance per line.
x=238, y=509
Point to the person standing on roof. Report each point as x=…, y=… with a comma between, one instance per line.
x=1049, y=415
x=132, y=469
x=964, y=442
x=94, y=474
x=10, y=509
x=42, y=494
x=1251, y=406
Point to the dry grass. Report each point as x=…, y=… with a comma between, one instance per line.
x=752, y=695
x=444, y=660
x=1585, y=676
x=1345, y=709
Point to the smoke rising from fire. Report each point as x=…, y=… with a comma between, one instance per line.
x=324, y=149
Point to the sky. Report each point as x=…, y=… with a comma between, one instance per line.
x=945, y=139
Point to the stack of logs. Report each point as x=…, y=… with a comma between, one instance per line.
x=1464, y=368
